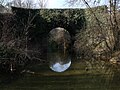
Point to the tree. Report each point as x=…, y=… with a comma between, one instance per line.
x=3, y=9
x=43, y=3
x=15, y=36
x=28, y=3
x=78, y=2
x=112, y=23
x=2, y=2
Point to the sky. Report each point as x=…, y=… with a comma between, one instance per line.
x=62, y=4
x=56, y=3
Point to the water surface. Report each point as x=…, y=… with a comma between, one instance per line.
x=81, y=75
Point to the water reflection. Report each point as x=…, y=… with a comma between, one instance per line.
x=100, y=75
x=59, y=62
x=59, y=67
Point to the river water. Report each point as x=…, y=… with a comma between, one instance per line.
x=71, y=74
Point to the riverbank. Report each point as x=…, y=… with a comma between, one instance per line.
x=80, y=76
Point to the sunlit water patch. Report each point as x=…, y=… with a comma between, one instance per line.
x=60, y=66
x=59, y=62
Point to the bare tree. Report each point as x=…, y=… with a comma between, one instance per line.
x=28, y=3
x=14, y=40
x=43, y=3
x=112, y=43
x=21, y=3
x=1, y=2
x=78, y=2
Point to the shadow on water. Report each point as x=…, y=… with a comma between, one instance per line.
x=78, y=75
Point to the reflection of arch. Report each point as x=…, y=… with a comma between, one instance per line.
x=60, y=37
x=59, y=62
x=58, y=57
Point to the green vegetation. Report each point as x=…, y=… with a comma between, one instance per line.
x=71, y=19
x=22, y=32
x=95, y=37
x=26, y=34
x=75, y=78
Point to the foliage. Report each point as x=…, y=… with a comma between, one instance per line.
x=103, y=24
x=100, y=13
x=71, y=19
x=24, y=30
